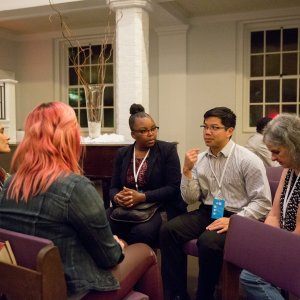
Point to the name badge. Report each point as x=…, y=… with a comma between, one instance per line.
x=218, y=208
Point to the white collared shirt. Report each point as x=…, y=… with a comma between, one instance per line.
x=245, y=186
x=256, y=144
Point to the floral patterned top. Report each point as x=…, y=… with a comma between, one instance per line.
x=292, y=207
x=142, y=174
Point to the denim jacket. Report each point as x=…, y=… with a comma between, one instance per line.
x=72, y=215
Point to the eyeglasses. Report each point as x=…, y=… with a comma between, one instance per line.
x=147, y=131
x=212, y=127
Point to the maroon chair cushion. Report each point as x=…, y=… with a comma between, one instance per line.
x=24, y=252
x=266, y=251
x=274, y=174
x=190, y=248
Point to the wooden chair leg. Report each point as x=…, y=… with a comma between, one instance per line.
x=230, y=281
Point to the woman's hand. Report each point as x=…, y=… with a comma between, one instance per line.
x=132, y=197
x=121, y=242
x=119, y=198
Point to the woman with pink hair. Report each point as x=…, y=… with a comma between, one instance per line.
x=48, y=197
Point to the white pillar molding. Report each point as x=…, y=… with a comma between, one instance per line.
x=132, y=58
x=8, y=107
x=172, y=84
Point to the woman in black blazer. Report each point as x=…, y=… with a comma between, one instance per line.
x=147, y=171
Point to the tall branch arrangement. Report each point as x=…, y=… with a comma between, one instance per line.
x=94, y=98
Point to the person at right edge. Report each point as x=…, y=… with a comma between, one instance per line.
x=226, y=179
x=282, y=137
x=256, y=144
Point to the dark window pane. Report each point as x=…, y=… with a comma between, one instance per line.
x=289, y=90
x=290, y=39
x=109, y=96
x=109, y=74
x=257, y=42
x=292, y=109
x=272, y=91
x=86, y=74
x=108, y=117
x=76, y=113
x=72, y=77
x=256, y=91
x=73, y=58
x=257, y=65
x=272, y=111
x=273, y=65
x=82, y=98
x=108, y=53
x=83, y=118
x=256, y=112
x=84, y=55
x=289, y=63
x=95, y=54
x=73, y=97
x=273, y=41
x=94, y=75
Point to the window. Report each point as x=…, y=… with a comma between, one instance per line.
x=272, y=72
x=86, y=58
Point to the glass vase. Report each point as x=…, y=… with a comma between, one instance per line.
x=94, y=108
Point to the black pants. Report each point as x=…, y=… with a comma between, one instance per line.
x=210, y=251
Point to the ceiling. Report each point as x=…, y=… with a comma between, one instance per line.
x=93, y=13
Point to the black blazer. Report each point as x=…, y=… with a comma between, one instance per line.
x=163, y=176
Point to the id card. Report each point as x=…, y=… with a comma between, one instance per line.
x=218, y=208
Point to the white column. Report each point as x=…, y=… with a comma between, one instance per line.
x=9, y=108
x=131, y=58
x=172, y=84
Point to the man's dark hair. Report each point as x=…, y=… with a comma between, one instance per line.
x=226, y=115
x=262, y=123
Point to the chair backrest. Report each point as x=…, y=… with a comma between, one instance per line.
x=39, y=273
x=25, y=247
x=266, y=251
x=274, y=174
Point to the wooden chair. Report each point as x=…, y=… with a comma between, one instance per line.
x=39, y=273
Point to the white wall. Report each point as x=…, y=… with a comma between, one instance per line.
x=34, y=71
x=153, y=75
x=211, y=74
x=7, y=54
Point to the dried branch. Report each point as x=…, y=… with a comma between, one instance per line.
x=83, y=54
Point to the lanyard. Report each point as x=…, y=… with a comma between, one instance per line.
x=223, y=173
x=288, y=194
x=136, y=173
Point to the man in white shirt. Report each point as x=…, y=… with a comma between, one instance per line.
x=226, y=179
x=256, y=144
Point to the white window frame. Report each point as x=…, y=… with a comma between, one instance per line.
x=243, y=61
x=61, y=73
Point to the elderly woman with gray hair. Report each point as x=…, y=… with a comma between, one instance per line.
x=282, y=137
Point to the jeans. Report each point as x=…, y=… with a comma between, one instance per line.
x=257, y=288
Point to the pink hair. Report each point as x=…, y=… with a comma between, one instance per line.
x=50, y=149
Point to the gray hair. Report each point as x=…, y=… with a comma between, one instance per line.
x=284, y=130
